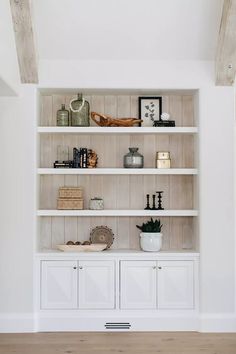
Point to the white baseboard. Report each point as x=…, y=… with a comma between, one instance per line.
x=17, y=323
x=98, y=324
x=28, y=323
x=219, y=322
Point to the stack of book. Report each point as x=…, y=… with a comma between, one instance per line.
x=80, y=158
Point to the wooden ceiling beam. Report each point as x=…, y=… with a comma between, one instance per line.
x=27, y=59
x=226, y=49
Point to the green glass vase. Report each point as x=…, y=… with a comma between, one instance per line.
x=80, y=112
x=63, y=117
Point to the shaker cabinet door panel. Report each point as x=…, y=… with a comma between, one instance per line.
x=138, y=285
x=175, y=285
x=96, y=285
x=59, y=285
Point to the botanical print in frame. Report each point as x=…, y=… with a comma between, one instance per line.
x=150, y=110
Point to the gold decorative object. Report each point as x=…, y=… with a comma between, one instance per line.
x=105, y=121
x=163, y=163
x=163, y=155
x=163, y=159
x=92, y=159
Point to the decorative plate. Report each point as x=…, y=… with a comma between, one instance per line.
x=102, y=234
x=82, y=248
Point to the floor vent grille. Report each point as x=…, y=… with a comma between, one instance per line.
x=117, y=325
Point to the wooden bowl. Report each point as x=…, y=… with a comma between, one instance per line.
x=95, y=247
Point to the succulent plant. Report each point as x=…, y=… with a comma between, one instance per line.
x=150, y=226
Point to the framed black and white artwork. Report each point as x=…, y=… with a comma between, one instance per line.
x=150, y=110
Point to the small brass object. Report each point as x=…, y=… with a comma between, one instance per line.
x=163, y=155
x=163, y=159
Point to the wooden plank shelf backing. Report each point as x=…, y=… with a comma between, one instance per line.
x=117, y=212
x=123, y=190
x=117, y=130
x=117, y=171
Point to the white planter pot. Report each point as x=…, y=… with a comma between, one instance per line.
x=151, y=241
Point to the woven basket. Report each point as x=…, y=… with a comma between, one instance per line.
x=106, y=121
x=70, y=204
x=71, y=192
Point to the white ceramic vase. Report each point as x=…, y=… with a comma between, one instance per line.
x=151, y=241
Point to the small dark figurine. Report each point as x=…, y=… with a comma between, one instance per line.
x=159, y=195
x=148, y=204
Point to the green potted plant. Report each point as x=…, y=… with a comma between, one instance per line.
x=150, y=235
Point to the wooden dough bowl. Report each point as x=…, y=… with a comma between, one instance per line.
x=105, y=121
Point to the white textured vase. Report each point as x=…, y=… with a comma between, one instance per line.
x=151, y=241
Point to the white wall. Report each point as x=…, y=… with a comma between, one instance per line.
x=216, y=108
x=126, y=74
x=9, y=72
x=17, y=209
x=127, y=30
x=217, y=246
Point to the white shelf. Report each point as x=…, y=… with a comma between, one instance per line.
x=117, y=212
x=117, y=171
x=118, y=130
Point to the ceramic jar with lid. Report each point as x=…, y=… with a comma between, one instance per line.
x=96, y=204
x=133, y=159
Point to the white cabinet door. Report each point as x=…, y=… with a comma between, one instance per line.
x=175, y=285
x=96, y=285
x=138, y=285
x=59, y=285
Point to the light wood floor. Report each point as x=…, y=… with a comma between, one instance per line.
x=114, y=343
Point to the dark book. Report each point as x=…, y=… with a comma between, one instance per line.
x=83, y=158
x=76, y=158
x=63, y=164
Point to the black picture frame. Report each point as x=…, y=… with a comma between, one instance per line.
x=148, y=115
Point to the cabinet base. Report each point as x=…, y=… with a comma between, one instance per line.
x=60, y=323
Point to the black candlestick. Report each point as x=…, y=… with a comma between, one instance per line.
x=154, y=202
x=159, y=200
x=148, y=204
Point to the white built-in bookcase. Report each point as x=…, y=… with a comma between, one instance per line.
x=123, y=190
